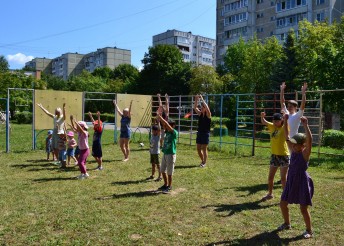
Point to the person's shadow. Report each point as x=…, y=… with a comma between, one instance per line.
x=128, y=182
x=255, y=188
x=237, y=208
x=263, y=239
x=131, y=194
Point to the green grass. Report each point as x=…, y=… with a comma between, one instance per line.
x=42, y=205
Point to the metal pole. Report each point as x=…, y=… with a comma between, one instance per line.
x=115, y=123
x=33, y=121
x=8, y=122
x=236, y=124
x=320, y=126
x=192, y=118
x=221, y=107
x=254, y=124
x=180, y=104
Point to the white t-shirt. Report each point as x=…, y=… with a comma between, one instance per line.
x=293, y=121
x=59, y=123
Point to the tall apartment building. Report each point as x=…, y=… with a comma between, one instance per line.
x=195, y=49
x=73, y=63
x=67, y=64
x=265, y=18
x=40, y=64
x=110, y=57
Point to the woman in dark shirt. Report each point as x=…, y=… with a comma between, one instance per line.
x=203, y=131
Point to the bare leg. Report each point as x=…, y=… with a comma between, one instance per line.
x=285, y=212
x=306, y=217
x=200, y=153
x=164, y=175
x=170, y=181
x=126, y=147
x=121, y=144
x=204, y=148
x=153, y=169
x=284, y=173
x=272, y=173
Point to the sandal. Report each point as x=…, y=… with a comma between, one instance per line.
x=158, y=179
x=267, y=197
x=307, y=235
x=202, y=165
x=150, y=177
x=284, y=226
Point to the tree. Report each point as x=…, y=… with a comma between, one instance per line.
x=128, y=75
x=86, y=82
x=164, y=71
x=55, y=82
x=4, y=66
x=204, y=80
x=103, y=72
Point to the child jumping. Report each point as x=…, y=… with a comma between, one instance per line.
x=299, y=188
x=125, y=129
x=48, y=145
x=155, y=151
x=97, y=137
x=70, y=149
x=279, y=152
x=81, y=128
x=170, y=152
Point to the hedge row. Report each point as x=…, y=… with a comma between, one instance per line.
x=333, y=139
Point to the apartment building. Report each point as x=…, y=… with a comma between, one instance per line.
x=73, y=63
x=106, y=57
x=40, y=64
x=196, y=49
x=265, y=18
x=67, y=64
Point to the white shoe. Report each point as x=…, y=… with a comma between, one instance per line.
x=86, y=175
x=83, y=176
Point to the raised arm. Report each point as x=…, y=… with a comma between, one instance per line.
x=303, y=91
x=91, y=117
x=286, y=129
x=129, y=113
x=195, y=105
x=205, y=105
x=45, y=111
x=117, y=108
x=64, y=111
x=72, y=123
x=167, y=105
x=262, y=119
x=78, y=127
x=282, y=100
x=309, y=139
x=163, y=121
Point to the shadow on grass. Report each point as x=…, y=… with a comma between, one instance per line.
x=265, y=238
x=256, y=188
x=32, y=165
x=131, y=194
x=185, y=167
x=237, y=208
x=38, y=161
x=128, y=182
x=53, y=179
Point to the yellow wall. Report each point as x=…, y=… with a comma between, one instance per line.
x=141, y=109
x=54, y=99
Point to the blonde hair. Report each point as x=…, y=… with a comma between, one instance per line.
x=58, y=110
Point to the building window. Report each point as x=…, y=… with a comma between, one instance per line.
x=321, y=16
x=260, y=15
x=282, y=5
x=320, y=2
x=235, y=18
x=235, y=5
x=259, y=1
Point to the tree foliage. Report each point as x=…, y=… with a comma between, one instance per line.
x=204, y=80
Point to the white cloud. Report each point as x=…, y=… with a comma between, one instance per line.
x=19, y=58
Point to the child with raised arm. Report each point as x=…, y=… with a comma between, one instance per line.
x=154, y=151
x=61, y=145
x=279, y=152
x=203, y=130
x=125, y=129
x=71, y=144
x=299, y=188
x=59, y=121
x=294, y=114
x=165, y=114
x=97, y=152
x=170, y=152
x=48, y=143
x=81, y=128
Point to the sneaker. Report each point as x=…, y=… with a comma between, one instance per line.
x=202, y=165
x=81, y=176
x=307, y=235
x=267, y=197
x=167, y=190
x=284, y=226
x=86, y=175
x=163, y=187
x=158, y=179
x=100, y=168
x=150, y=177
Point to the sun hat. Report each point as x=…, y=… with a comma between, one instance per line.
x=70, y=134
x=298, y=138
x=50, y=132
x=277, y=116
x=83, y=124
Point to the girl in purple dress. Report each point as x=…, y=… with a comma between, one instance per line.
x=299, y=188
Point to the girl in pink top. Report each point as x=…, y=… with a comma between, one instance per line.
x=81, y=128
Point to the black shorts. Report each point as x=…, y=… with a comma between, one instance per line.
x=202, y=138
x=154, y=158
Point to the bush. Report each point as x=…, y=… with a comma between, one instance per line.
x=333, y=139
x=109, y=118
x=218, y=130
x=23, y=117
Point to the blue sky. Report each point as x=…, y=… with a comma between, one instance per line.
x=43, y=28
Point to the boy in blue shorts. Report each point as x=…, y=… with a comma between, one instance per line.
x=154, y=151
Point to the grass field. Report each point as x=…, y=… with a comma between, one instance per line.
x=217, y=205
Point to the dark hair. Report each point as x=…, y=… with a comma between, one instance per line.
x=155, y=128
x=171, y=122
